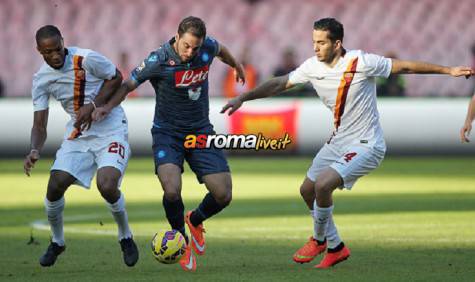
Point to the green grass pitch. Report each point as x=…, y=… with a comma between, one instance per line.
x=412, y=219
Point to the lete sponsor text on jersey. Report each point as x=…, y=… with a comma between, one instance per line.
x=186, y=78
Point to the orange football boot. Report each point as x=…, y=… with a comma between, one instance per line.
x=197, y=235
x=309, y=251
x=188, y=260
x=331, y=259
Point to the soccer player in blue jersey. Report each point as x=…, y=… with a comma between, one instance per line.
x=178, y=71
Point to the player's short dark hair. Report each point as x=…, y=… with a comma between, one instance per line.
x=334, y=28
x=193, y=25
x=47, y=31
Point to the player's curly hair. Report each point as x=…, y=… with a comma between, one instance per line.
x=334, y=28
x=193, y=25
x=47, y=31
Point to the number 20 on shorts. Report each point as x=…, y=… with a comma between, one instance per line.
x=117, y=148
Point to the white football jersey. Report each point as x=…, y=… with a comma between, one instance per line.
x=77, y=83
x=349, y=91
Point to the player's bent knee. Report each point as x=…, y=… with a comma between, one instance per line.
x=323, y=187
x=224, y=198
x=56, y=188
x=107, y=184
x=171, y=195
x=307, y=191
x=108, y=187
x=56, y=185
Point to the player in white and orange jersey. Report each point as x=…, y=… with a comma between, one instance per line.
x=80, y=79
x=345, y=82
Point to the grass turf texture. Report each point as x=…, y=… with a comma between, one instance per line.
x=411, y=219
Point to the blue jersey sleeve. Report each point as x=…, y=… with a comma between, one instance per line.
x=148, y=69
x=212, y=44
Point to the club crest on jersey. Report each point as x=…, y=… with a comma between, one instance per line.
x=205, y=57
x=171, y=62
x=194, y=93
x=186, y=78
x=349, y=75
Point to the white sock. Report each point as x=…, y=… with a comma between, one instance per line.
x=120, y=216
x=313, y=214
x=322, y=217
x=54, y=211
x=333, y=238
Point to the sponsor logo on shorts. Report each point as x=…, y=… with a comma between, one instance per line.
x=236, y=141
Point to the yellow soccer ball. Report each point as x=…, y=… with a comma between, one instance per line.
x=168, y=246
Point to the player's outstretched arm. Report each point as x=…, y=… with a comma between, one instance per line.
x=38, y=138
x=226, y=57
x=84, y=115
x=127, y=86
x=269, y=88
x=406, y=67
x=467, y=126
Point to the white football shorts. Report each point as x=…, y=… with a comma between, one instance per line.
x=352, y=162
x=82, y=157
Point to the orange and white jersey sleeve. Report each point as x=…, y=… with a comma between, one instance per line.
x=77, y=83
x=348, y=89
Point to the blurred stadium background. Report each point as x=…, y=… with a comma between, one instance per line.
x=410, y=218
x=429, y=30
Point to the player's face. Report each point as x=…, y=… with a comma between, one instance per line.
x=52, y=50
x=187, y=46
x=324, y=48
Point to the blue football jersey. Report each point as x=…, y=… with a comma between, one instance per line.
x=181, y=89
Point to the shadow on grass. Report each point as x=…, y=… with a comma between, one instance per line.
x=243, y=208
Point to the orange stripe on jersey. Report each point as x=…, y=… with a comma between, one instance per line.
x=343, y=91
x=79, y=85
x=79, y=82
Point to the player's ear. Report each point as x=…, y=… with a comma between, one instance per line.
x=338, y=44
x=177, y=36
